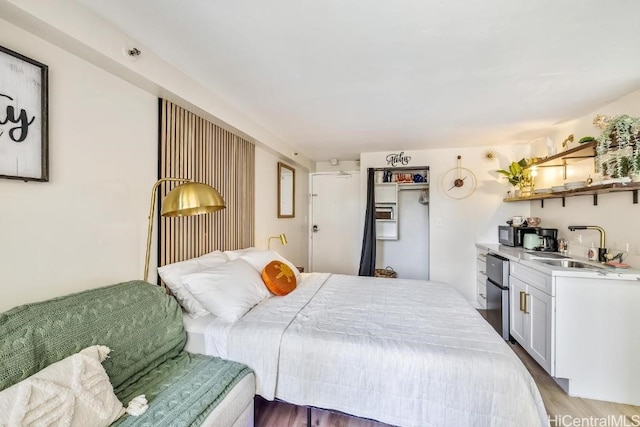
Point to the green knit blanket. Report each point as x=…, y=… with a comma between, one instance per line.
x=182, y=391
x=142, y=326
x=144, y=329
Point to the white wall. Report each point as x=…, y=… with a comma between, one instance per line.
x=409, y=255
x=343, y=165
x=267, y=221
x=615, y=212
x=456, y=225
x=73, y=27
x=86, y=227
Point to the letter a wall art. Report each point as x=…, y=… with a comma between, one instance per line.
x=23, y=118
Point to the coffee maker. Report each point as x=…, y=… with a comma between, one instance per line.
x=548, y=239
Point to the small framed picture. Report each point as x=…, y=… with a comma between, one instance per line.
x=24, y=145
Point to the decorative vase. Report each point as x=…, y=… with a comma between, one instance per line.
x=526, y=190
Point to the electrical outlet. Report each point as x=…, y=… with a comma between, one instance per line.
x=577, y=238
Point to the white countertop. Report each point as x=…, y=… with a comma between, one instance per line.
x=530, y=259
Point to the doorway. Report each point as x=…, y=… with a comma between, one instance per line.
x=336, y=232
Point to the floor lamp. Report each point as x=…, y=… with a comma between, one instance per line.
x=188, y=199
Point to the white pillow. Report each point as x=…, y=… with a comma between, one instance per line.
x=237, y=253
x=259, y=259
x=215, y=254
x=171, y=274
x=74, y=391
x=229, y=290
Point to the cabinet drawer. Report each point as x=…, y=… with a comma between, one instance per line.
x=538, y=280
x=481, y=273
x=481, y=255
x=482, y=294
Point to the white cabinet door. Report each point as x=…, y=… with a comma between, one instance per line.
x=530, y=321
x=539, y=306
x=517, y=317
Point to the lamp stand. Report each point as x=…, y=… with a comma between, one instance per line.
x=151, y=211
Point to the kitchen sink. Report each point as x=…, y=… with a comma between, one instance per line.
x=568, y=263
x=546, y=255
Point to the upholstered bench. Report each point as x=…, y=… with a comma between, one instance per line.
x=143, y=328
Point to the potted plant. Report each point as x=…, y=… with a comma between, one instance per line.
x=618, y=146
x=634, y=164
x=518, y=175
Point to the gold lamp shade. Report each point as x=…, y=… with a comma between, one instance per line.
x=192, y=198
x=283, y=239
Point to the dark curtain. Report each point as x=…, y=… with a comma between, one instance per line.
x=368, y=253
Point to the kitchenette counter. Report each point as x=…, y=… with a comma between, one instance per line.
x=533, y=259
x=579, y=323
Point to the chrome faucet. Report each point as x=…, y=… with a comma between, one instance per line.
x=602, y=250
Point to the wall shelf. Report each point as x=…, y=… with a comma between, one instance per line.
x=593, y=190
x=573, y=155
x=581, y=152
x=386, y=196
x=413, y=186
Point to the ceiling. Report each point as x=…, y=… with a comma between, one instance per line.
x=335, y=78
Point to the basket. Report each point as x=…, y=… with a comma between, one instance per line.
x=388, y=273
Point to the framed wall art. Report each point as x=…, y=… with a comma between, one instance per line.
x=286, y=191
x=24, y=146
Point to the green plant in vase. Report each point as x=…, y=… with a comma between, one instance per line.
x=518, y=175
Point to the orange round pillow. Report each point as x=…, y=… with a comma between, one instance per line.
x=278, y=278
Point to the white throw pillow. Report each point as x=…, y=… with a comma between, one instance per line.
x=259, y=258
x=171, y=274
x=75, y=391
x=228, y=290
x=233, y=255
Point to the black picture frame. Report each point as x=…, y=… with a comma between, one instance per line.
x=24, y=117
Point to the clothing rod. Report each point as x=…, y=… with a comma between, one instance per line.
x=406, y=168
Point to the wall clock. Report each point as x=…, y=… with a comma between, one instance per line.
x=459, y=182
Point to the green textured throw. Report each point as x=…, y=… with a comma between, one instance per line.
x=182, y=391
x=142, y=326
x=144, y=329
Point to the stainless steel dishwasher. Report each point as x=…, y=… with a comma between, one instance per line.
x=498, y=294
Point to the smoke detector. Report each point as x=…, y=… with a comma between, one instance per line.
x=334, y=162
x=131, y=52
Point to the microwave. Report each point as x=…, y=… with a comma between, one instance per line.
x=513, y=236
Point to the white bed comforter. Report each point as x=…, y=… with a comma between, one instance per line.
x=404, y=352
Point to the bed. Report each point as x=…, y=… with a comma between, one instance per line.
x=403, y=352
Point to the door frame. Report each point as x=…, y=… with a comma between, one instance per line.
x=310, y=223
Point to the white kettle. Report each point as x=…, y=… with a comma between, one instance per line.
x=531, y=241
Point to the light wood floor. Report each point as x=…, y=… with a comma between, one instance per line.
x=278, y=414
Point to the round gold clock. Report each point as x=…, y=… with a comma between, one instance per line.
x=459, y=182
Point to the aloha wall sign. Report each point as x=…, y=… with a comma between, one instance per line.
x=398, y=159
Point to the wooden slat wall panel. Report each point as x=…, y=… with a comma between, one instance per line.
x=192, y=147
